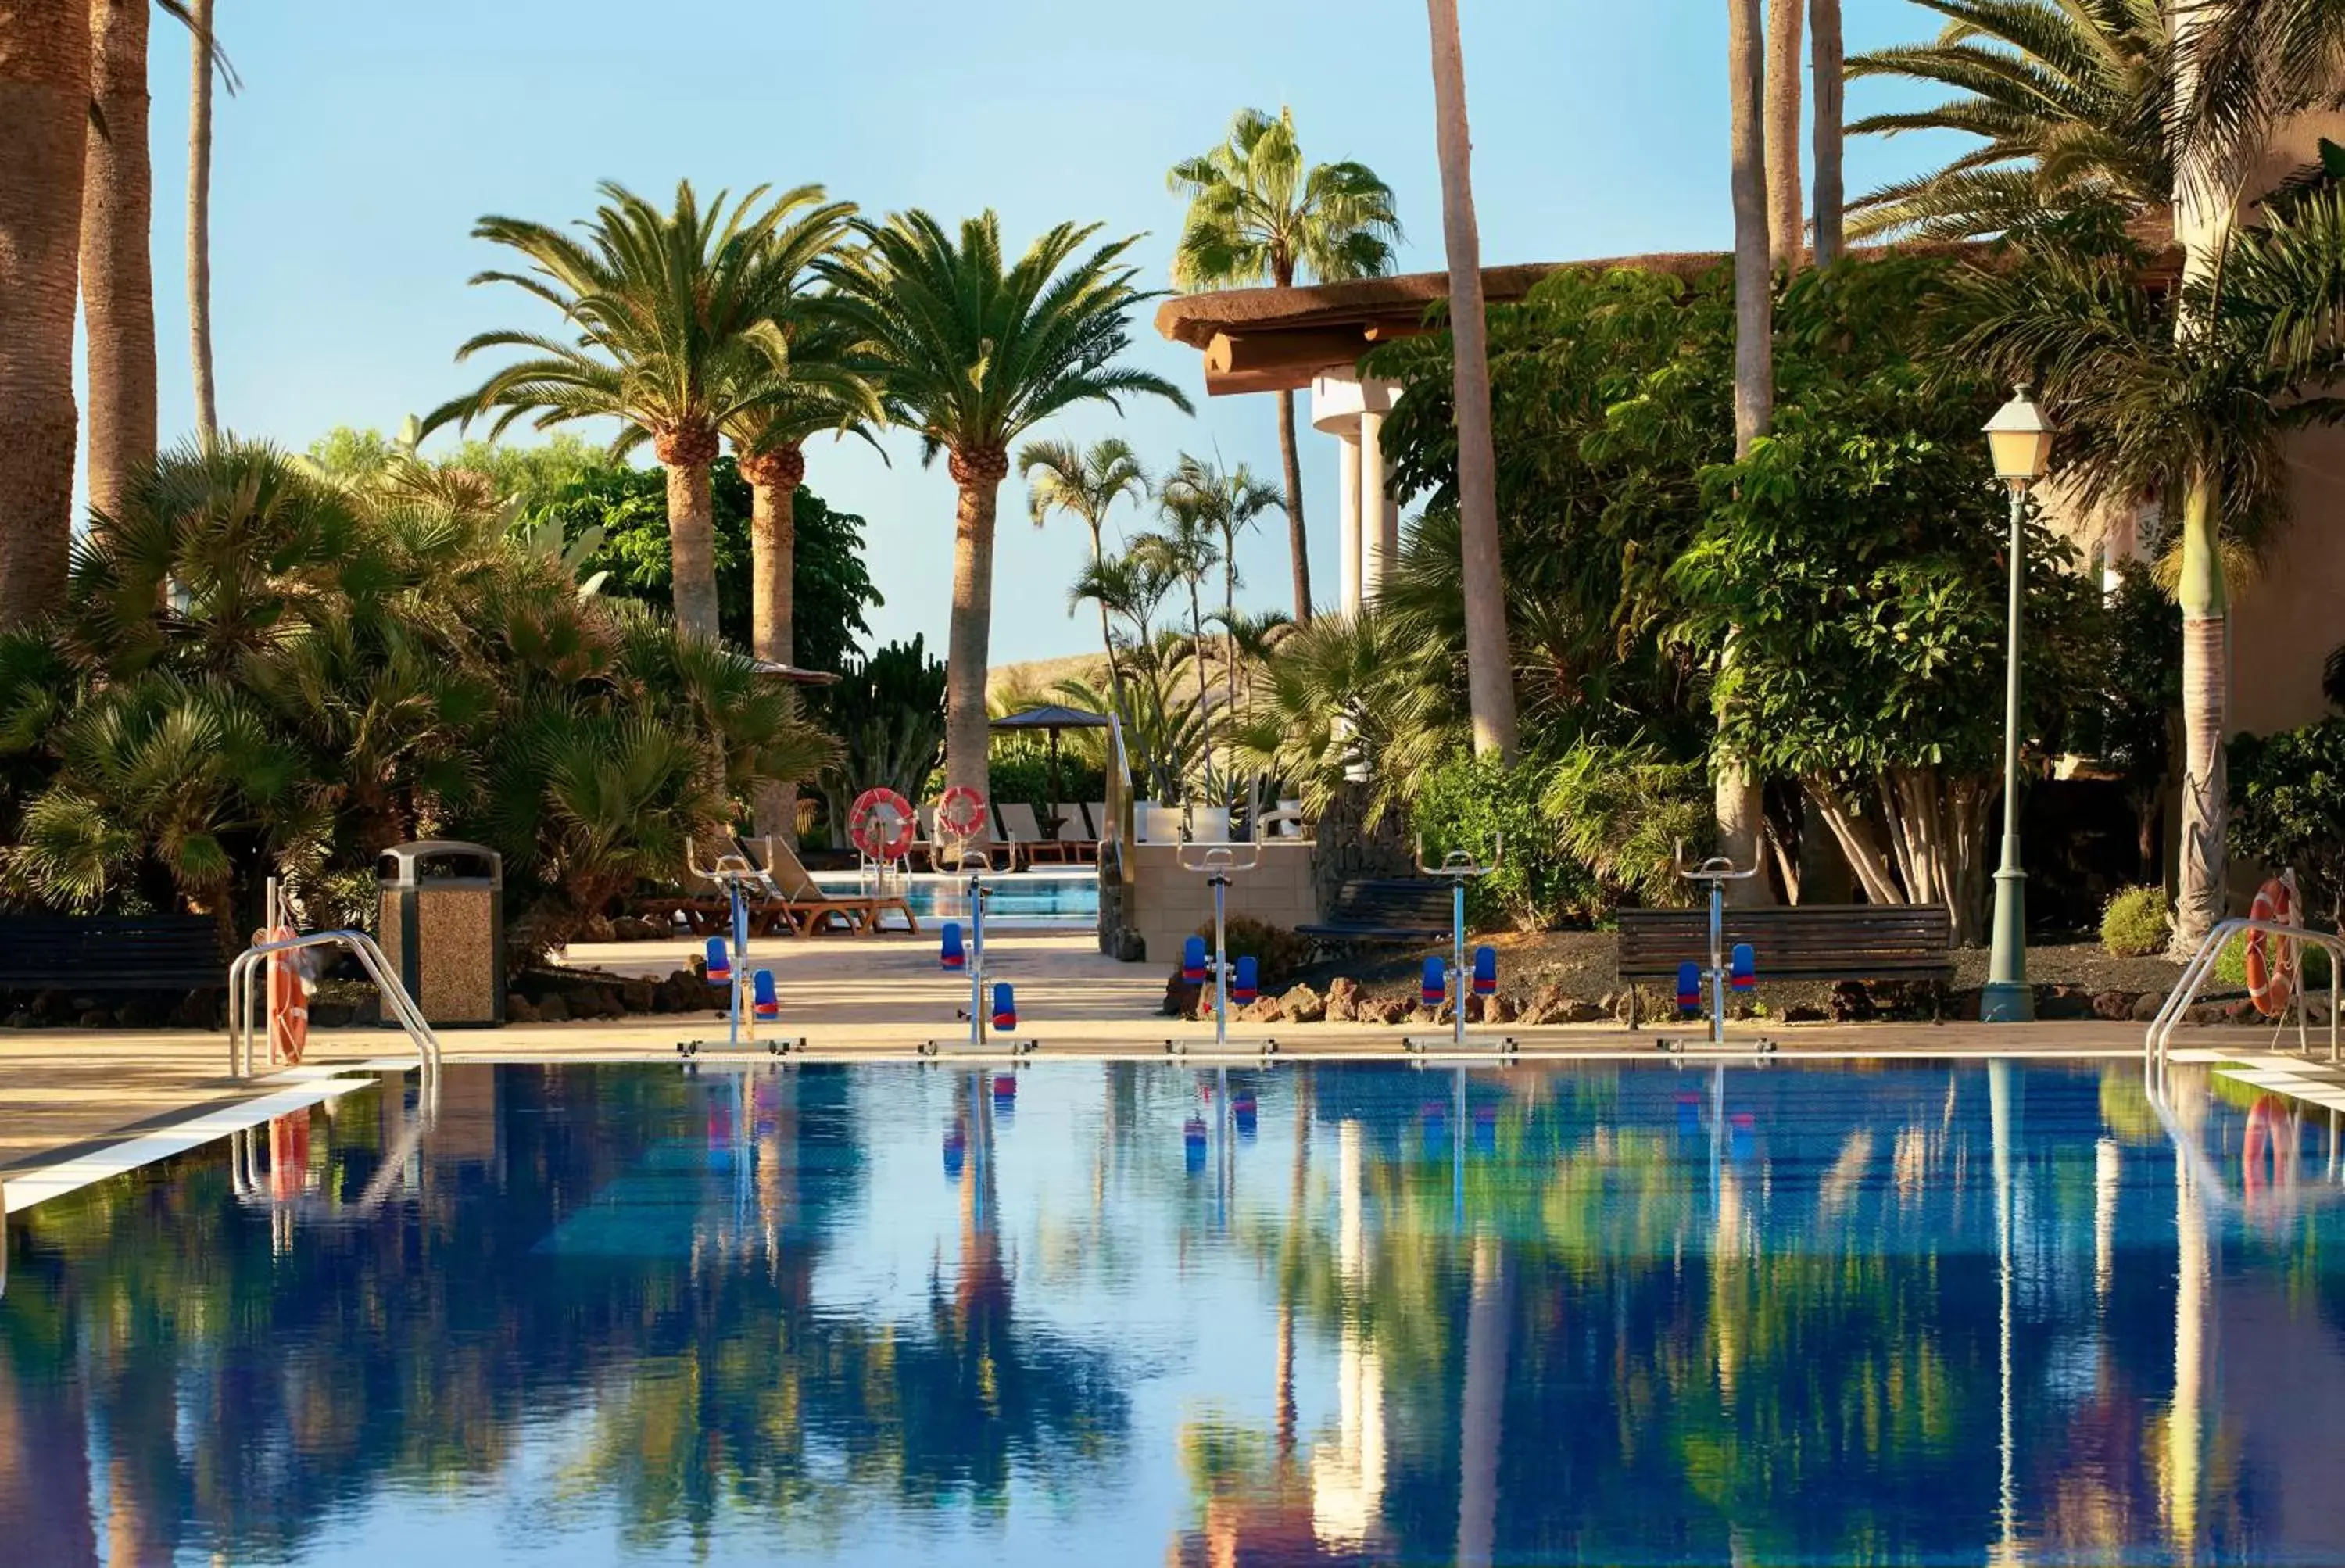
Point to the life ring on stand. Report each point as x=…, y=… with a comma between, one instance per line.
x=882, y=824
x=289, y=1004
x=960, y=811
x=2271, y=958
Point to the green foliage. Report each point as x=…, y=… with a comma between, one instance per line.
x=2136, y=922
x=1278, y=954
x=888, y=713
x=2311, y=966
x=2288, y=795
x=1466, y=804
x=1257, y=215
x=1626, y=815
x=257, y=672
x=1020, y=770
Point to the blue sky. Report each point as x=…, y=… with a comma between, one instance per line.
x=368, y=139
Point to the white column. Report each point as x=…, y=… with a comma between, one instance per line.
x=1348, y=528
x=1376, y=554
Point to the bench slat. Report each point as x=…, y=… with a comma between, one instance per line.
x=1832, y=942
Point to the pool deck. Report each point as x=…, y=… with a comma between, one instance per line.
x=73, y=1095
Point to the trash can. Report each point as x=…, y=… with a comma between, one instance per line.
x=443, y=929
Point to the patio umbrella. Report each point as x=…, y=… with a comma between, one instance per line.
x=1051, y=718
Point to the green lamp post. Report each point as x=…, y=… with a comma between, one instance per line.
x=2020, y=440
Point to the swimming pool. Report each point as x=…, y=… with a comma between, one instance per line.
x=1129, y=1313
x=1027, y=898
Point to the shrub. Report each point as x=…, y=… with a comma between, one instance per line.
x=2311, y=966
x=1278, y=954
x=2288, y=806
x=1466, y=804
x=2136, y=924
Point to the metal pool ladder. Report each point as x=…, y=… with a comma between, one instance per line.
x=402, y=1007
x=2202, y=965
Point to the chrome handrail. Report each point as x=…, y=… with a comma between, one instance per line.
x=2202, y=964
x=403, y=1009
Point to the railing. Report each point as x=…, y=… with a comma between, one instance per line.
x=2202, y=965
x=404, y=1010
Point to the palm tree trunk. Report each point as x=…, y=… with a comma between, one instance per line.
x=1489, y=662
x=1739, y=810
x=1205, y=702
x=1831, y=72
x=1298, y=541
x=199, y=218
x=968, y=647
x=774, y=479
x=118, y=275
x=691, y=530
x=2206, y=706
x=1786, y=203
x=44, y=116
x=1107, y=641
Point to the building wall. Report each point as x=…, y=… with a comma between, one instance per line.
x=2286, y=621
x=1166, y=904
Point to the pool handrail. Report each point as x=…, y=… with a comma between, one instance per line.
x=2193, y=978
x=402, y=1007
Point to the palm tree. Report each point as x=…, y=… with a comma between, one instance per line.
x=1830, y=71
x=2198, y=412
x=1185, y=550
x=1256, y=215
x=1231, y=503
x=118, y=274
x=204, y=59
x=43, y=108
x=1740, y=808
x=677, y=315
x=2070, y=100
x=1489, y=659
x=1786, y=200
x=972, y=356
x=1086, y=484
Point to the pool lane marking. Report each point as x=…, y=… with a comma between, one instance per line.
x=25, y=1189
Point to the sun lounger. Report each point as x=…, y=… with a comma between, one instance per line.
x=808, y=906
x=1077, y=836
x=1024, y=834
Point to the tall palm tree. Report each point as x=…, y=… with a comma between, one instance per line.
x=1085, y=484
x=117, y=273
x=2071, y=100
x=678, y=320
x=44, y=79
x=203, y=60
x=973, y=354
x=1786, y=199
x=1230, y=503
x=1256, y=215
x=1740, y=808
x=1830, y=71
x=1185, y=549
x=2197, y=412
x=1489, y=658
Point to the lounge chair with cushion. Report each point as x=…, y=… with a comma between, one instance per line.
x=1024, y=834
x=1077, y=838
x=809, y=907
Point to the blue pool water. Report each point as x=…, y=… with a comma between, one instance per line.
x=1132, y=1313
x=1025, y=899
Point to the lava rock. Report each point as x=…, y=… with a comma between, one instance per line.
x=2116, y=1006
x=331, y=1014
x=1803, y=1013
x=551, y=1009
x=2147, y=1007
x=1182, y=997
x=1264, y=1010
x=96, y=1018
x=520, y=1009
x=636, y=995
x=1343, y=1001
x=1303, y=1005
x=2062, y=1003
x=1387, y=1011
x=1851, y=1004
x=196, y=1010
x=23, y=1019
x=1129, y=947
x=597, y=928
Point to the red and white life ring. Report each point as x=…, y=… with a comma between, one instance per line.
x=2271, y=958
x=288, y=1003
x=882, y=824
x=960, y=811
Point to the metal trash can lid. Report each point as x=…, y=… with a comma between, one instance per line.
x=405, y=865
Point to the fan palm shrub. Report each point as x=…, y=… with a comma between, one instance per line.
x=679, y=316
x=973, y=351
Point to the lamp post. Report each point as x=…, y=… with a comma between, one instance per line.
x=2020, y=440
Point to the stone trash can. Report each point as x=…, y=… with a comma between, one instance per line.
x=443, y=928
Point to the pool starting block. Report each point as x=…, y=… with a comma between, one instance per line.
x=987, y=1011
x=751, y=997
x=1446, y=981
x=1736, y=970
x=1218, y=863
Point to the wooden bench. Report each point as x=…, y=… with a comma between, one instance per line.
x=1802, y=942
x=1404, y=909
x=111, y=952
